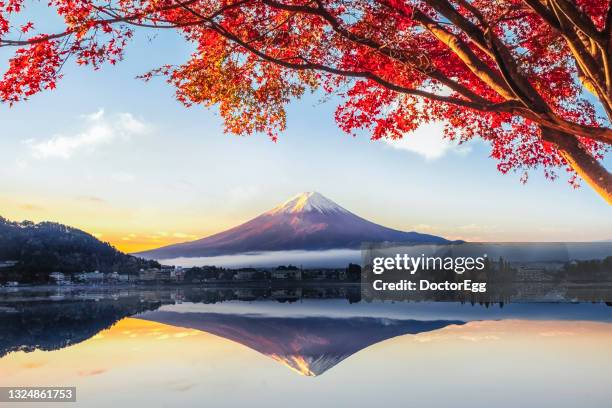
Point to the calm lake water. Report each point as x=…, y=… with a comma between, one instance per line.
x=301, y=348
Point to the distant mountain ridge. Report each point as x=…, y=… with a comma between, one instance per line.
x=39, y=249
x=307, y=221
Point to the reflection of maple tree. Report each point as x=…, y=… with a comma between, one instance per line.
x=513, y=72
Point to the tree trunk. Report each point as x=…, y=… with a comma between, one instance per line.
x=583, y=162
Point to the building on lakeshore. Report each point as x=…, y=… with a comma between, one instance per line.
x=91, y=277
x=245, y=274
x=286, y=274
x=148, y=275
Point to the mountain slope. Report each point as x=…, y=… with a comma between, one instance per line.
x=48, y=247
x=308, y=221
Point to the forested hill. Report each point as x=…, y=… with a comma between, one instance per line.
x=47, y=247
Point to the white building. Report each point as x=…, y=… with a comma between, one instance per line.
x=91, y=277
x=286, y=274
x=112, y=276
x=245, y=275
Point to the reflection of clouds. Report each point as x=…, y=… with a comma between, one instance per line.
x=557, y=333
x=91, y=373
x=185, y=387
x=158, y=332
x=477, y=331
x=180, y=385
x=480, y=331
x=427, y=338
x=480, y=338
x=186, y=334
x=34, y=364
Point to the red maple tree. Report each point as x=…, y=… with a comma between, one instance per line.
x=526, y=75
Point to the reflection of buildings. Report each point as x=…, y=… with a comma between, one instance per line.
x=8, y=264
x=528, y=273
x=69, y=315
x=57, y=277
x=309, y=345
x=280, y=294
x=59, y=323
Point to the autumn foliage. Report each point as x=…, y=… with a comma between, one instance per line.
x=532, y=77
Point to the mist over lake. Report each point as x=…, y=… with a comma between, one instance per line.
x=333, y=258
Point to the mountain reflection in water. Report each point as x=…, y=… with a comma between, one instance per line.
x=309, y=336
x=307, y=345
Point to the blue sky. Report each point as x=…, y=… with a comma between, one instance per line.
x=123, y=159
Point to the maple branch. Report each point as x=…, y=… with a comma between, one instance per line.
x=465, y=54
x=19, y=43
x=581, y=21
x=496, y=49
x=582, y=161
x=116, y=18
x=307, y=65
x=376, y=46
x=590, y=71
x=596, y=133
x=514, y=107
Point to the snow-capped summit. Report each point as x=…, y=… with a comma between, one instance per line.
x=308, y=221
x=307, y=201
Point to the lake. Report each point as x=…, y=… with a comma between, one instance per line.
x=229, y=347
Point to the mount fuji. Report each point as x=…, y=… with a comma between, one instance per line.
x=307, y=221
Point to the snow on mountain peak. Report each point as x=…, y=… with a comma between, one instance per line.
x=305, y=202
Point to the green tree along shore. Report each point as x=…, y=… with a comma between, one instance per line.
x=35, y=250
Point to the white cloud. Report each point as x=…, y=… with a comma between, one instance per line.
x=99, y=129
x=428, y=141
